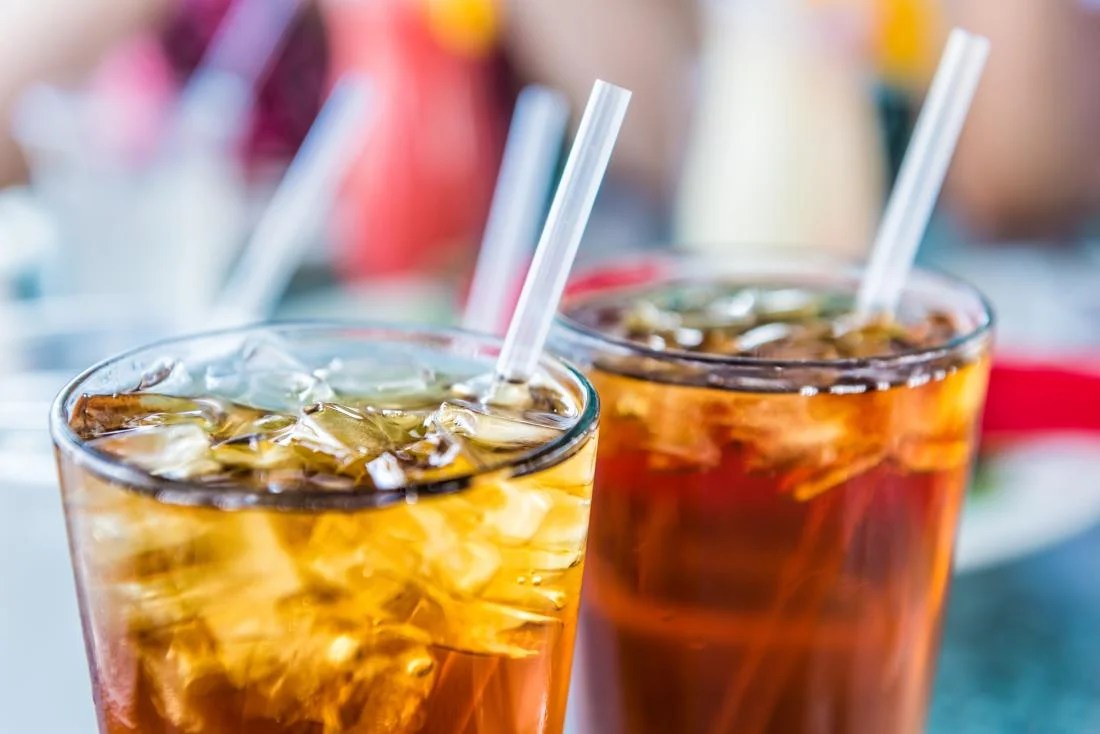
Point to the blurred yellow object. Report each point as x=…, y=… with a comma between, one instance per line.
x=907, y=37
x=904, y=36
x=468, y=27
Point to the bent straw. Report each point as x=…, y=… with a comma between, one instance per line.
x=532, y=149
x=277, y=245
x=922, y=172
x=561, y=236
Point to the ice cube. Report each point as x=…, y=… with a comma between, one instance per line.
x=175, y=451
x=672, y=425
x=226, y=379
x=537, y=591
x=394, y=700
x=815, y=477
x=180, y=668
x=378, y=377
x=344, y=440
x=340, y=433
x=494, y=628
x=647, y=317
x=167, y=376
x=386, y=472
x=95, y=415
x=574, y=475
x=271, y=353
x=730, y=310
x=240, y=423
x=267, y=375
x=538, y=542
x=817, y=441
x=253, y=571
x=764, y=334
x=228, y=375
x=254, y=452
x=937, y=419
x=513, y=512
x=786, y=304
x=284, y=391
x=565, y=524
x=492, y=429
x=928, y=453
x=373, y=555
x=273, y=390
x=459, y=562
x=436, y=450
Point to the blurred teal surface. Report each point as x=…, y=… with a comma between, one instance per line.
x=1021, y=651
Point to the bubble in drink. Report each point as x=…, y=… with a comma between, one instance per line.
x=777, y=493
x=341, y=547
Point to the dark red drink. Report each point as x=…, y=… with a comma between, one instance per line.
x=777, y=494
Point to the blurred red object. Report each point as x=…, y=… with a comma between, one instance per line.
x=638, y=273
x=1029, y=397
x=290, y=91
x=420, y=193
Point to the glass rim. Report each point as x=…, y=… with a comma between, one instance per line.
x=190, y=493
x=778, y=266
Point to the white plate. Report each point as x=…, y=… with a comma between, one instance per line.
x=1044, y=492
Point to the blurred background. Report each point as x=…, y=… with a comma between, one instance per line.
x=144, y=145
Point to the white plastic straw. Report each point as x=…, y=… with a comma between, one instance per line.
x=526, y=172
x=922, y=172
x=561, y=236
x=277, y=245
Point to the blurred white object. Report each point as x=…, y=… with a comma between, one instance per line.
x=1044, y=297
x=785, y=147
x=27, y=236
x=519, y=204
x=1017, y=516
x=1046, y=304
x=161, y=235
x=922, y=172
x=303, y=198
x=159, y=231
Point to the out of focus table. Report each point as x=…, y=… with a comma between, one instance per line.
x=1021, y=649
x=1022, y=639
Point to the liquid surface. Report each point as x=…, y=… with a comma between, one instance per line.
x=775, y=322
x=452, y=614
x=770, y=560
x=270, y=422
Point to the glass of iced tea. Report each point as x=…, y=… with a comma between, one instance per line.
x=777, y=492
x=319, y=529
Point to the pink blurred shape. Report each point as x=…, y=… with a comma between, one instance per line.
x=133, y=89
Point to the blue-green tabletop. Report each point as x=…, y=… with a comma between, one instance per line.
x=1021, y=649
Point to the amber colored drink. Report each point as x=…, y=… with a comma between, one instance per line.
x=774, y=518
x=346, y=541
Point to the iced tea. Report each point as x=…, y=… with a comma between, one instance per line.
x=777, y=493
x=317, y=530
